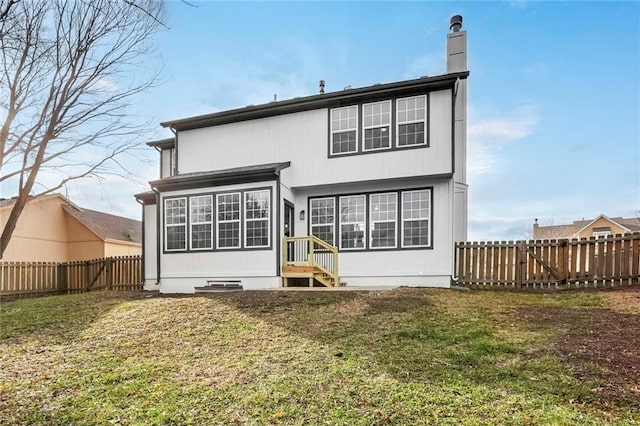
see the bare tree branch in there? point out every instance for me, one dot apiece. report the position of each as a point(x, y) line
point(70, 69)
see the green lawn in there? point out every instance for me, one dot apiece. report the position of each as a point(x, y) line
point(406, 356)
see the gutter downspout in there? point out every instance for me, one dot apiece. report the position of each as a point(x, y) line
point(157, 235)
point(143, 241)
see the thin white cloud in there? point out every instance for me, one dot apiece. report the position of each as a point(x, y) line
point(431, 64)
point(104, 84)
point(487, 137)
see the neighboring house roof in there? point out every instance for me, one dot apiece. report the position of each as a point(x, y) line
point(234, 175)
point(108, 226)
point(572, 230)
point(323, 100)
point(104, 225)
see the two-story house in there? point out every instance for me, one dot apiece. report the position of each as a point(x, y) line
point(377, 175)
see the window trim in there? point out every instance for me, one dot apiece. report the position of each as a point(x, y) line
point(429, 219)
point(365, 128)
point(332, 132)
point(192, 223)
point(239, 221)
point(367, 217)
point(183, 225)
point(246, 219)
point(393, 126)
point(340, 223)
point(333, 224)
point(425, 120)
point(372, 222)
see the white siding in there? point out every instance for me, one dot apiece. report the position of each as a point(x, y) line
point(182, 271)
point(149, 248)
point(165, 163)
point(460, 213)
point(302, 138)
point(413, 267)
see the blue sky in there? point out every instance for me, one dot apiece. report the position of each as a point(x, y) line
point(554, 91)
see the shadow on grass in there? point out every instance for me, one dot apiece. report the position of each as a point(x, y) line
point(58, 318)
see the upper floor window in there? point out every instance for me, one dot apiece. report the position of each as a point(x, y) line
point(412, 119)
point(175, 220)
point(344, 130)
point(376, 124)
point(201, 210)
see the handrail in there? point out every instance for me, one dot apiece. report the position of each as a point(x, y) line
point(310, 251)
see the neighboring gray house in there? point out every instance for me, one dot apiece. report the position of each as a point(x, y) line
point(378, 173)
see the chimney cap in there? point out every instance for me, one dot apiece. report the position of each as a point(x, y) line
point(455, 23)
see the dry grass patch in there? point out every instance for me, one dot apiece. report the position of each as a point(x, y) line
point(408, 356)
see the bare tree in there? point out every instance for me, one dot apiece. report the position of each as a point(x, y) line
point(69, 70)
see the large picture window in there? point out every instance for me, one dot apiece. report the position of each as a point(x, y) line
point(323, 218)
point(376, 124)
point(201, 211)
point(257, 218)
point(416, 213)
point(175, 222)
point(344, 130)
point(374, 221)
point(383, 210)
point(412, 119)
point(228, 212)
point(352, 221)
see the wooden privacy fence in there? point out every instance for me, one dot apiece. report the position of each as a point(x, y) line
point(550, 264)
point(20, 279)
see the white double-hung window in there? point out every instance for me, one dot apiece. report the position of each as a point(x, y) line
point(352, 221)
point(376, 125)
point(256, 216)
point(323, 218)
point(416, 214)
point(201, 223)
point(228, 224)
point(344, 130)
point(383, 224)
point(175, 224)
point(411, 121)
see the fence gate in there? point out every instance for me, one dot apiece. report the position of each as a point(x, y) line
point(550, 264)
point(543, 263)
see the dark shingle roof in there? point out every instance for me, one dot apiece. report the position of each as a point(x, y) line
point(107, 225)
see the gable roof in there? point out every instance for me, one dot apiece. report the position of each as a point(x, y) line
point(108, 226)
point(104, 225)
point(571, 230)
point(323, 100)
point(589, 223)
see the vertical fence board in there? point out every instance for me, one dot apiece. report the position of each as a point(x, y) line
point(550, 264)
point(23, 279)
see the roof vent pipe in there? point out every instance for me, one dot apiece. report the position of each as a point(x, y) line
point(455, 24)
point(321, 86)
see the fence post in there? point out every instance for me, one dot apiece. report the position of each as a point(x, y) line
point(520, 262)
point(109, 270)
point(87, 276)
point(62, 278)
